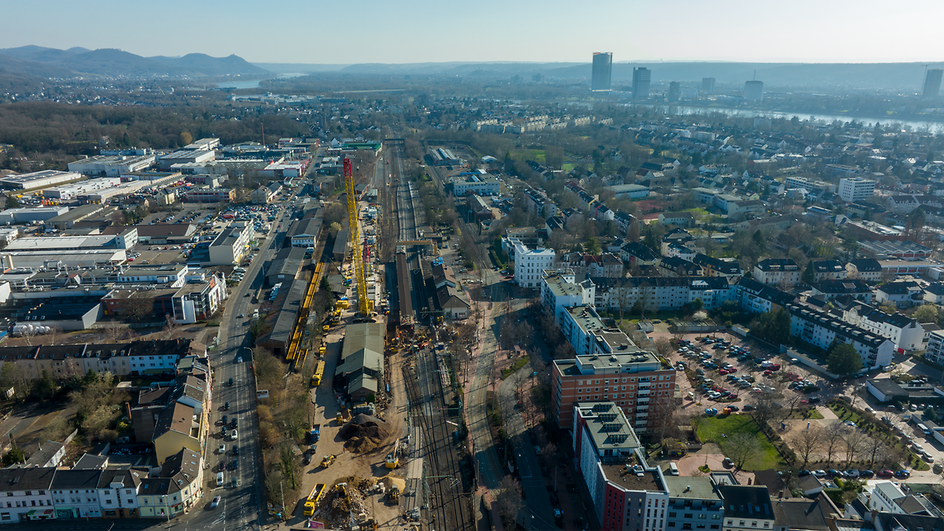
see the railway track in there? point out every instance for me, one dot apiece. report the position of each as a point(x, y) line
point(449, 505)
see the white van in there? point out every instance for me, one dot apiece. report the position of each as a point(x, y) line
point(673, 469)
point(219, 479)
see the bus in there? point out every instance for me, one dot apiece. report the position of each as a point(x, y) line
point(319, 372)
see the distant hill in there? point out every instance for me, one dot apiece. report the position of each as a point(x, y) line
point(212, 66)
point(20, 68)
point(51, 62)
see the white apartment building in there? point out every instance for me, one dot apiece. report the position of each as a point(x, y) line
point(118, 492)
point(661, 293)
point(27, 492)
point(531, 264)
point(475, 183)
point(232, 245)
point(777, 271)
point(856, 189)
point(75, 493)
point(935, 349)
point(906, 333)
point(559, 290)
point(821, 329)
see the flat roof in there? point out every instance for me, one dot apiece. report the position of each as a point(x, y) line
point(691, 487)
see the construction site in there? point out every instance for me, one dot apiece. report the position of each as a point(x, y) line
point(382, 447)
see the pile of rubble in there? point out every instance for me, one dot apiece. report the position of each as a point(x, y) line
point(364, 433)
point(345, 506)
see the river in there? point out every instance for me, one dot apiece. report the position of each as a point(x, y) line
point(930, 126)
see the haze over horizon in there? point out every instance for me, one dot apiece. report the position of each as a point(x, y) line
point(553, 31)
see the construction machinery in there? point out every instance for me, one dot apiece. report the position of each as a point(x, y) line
point(316, 493)
point(393, 458)
point(341, 489)
point(339, 419)
point(314, 434)
point(327, 460)
point(359, 272)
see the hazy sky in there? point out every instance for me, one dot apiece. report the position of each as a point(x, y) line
point(409, 31)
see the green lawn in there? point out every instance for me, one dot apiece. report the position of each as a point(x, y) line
point(712, 429)
point(519, 363)
point(568, 166)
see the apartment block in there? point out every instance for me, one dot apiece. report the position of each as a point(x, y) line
point(661, 293)
point(905, 332)
point(560, 290)
point(635, 381)
point(627, 494)
point(530, 264)
point(821, 329)
point(777, 272)
point(855, 188)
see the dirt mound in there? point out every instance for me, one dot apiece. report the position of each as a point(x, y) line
point(364, 433)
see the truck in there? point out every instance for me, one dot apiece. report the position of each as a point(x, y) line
point(393, 458)
point(316, 493)
point(255, 315)
point(314, 434)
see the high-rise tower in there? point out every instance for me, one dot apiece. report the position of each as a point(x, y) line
point(641, 78)
point(602, 71)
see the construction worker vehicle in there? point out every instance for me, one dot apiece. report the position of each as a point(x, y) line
point(327, 460)
point(316, 493)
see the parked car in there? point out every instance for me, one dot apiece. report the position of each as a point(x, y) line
point(902, 474)
point(885, 473)
point(866, 474)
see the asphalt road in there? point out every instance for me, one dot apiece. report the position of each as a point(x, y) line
point(243, 506)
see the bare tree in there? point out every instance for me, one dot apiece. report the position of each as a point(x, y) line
point(510, 501)
point(664, 346)
point(874, 447)
point(740, 447)
point(854, 441)
point(172, 328)
point(807, 442)
point(832, 439)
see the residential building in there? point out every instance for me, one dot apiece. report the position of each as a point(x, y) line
point(176, 489)
point(676, 266)
point(137, 358)
point(674, 250)
point(677, 236)
point(583, 265)
point(867, 269)
point(695, 502)
point(75, 494)
point(118, 492)
point(754, 90)
point(905, 332)
point(718, 267)
point(755, 297)
point(746, 508)
point(641, 79)
point(531, 264)
point(902, 294)
point(853, 189)
point(626, 494)
point(28, 494)
point(911, 268)
point(602, 71)
point(660, 294)
point(179, 426)
point(935, 348)
point(777, 272)
point(639, 254)
point(675, 92)
point(560, 290)
point(197, 301)
point(821, 329)
point(828, 270)
point(635, 381)
point(475, 183)
point(852, 287)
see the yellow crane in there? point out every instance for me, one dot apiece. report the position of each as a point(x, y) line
point(359, 274)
